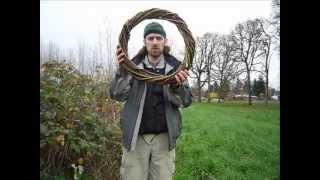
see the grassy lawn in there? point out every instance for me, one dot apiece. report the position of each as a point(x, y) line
point(229, 141)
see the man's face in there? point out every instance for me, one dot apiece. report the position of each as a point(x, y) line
point(155, 44)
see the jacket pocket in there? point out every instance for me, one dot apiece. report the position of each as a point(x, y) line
point(173, 98)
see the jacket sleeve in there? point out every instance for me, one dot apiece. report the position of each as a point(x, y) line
point(180, 95)
point(120, 85)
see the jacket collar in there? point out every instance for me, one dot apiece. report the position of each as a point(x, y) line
point(160, 65)
point(168, 66)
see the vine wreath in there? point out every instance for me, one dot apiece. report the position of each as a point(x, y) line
point(142, 74)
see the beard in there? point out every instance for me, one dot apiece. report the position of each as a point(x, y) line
point(155, 52)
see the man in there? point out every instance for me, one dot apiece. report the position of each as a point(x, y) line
point(150, 120)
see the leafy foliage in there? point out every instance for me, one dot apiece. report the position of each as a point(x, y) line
point(79, 124)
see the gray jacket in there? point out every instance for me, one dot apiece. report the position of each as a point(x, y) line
point(125, 88)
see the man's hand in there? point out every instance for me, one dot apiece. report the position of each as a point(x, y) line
point(120, 55)
point(181, 76)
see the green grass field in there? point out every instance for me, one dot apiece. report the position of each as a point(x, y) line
point(229, 141)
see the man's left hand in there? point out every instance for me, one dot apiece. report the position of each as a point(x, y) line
point(181, 76)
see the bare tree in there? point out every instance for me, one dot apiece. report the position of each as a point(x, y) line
point(81, 56)
point(266, 41)
point(42, 52)
point(247, 37)
point(50, 51)
point(92, 61)
point(225, 67)
point(87, 58)
point(238, 86)
point(199, 65)
point(53, 51)
point(70, 56)
point(110, 48)
point(210, 57)
point(106, 52)
point(275, 24)
point(276, 19)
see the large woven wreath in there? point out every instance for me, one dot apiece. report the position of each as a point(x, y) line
point(142, 74)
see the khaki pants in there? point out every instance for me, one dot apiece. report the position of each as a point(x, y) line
point(151, 159)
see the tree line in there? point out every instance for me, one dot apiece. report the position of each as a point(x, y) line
point(224, 58)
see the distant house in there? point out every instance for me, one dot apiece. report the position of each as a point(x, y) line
point(243, 97)
point(276, 97)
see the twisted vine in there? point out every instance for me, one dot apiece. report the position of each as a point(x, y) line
point(145, 75)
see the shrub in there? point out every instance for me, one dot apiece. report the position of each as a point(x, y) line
point(74, 128)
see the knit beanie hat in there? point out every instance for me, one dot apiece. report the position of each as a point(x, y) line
point(154, 27)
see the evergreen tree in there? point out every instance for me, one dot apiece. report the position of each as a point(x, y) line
point(254, 88)
point(273, 90)
point(259, 86)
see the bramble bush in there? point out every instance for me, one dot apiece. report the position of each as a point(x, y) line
point(79, 124)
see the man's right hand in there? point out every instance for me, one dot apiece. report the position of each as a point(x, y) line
point(120, 55)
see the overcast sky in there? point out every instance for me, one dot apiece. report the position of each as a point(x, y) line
point(69, 22)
